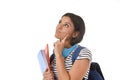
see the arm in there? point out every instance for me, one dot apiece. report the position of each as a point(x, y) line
point(77, 71)
point(48, 75)
point(62, 72)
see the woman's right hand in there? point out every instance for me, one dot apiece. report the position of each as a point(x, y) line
point(48, 75)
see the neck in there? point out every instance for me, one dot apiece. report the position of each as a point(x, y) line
point(67, 44)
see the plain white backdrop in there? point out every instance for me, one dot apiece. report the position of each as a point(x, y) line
point(26, 26)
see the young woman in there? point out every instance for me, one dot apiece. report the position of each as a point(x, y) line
point(69, 32)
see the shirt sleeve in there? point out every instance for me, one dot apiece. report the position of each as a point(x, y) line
point(85, 53)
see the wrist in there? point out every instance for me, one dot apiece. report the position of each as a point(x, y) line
point(59, 55)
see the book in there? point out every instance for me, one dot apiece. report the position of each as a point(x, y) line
point(42, 61)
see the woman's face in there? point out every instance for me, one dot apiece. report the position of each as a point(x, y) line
point(65, 27)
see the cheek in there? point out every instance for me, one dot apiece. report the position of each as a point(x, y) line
point(69, 32)
point(61, 33)
point(58, 34)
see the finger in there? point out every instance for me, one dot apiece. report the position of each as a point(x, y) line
point(64, 39)
point(66, 35)
point(48, 69)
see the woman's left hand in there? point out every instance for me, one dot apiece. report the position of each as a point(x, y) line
point(48, 75)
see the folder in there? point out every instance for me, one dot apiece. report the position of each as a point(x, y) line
point(42, 61)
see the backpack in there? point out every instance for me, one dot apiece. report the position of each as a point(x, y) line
point(95, 72)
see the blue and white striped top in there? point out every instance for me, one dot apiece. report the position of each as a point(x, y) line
point(84, 53)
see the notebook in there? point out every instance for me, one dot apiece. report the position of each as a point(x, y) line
point(42, 61)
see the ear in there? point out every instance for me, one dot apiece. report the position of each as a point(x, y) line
point(75, 34)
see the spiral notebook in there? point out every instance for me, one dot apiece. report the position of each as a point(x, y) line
point(42, 61)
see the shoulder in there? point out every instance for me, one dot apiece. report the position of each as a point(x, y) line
point(85, 53)
point(85, 50)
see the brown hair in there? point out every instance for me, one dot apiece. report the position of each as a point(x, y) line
point(79, 26)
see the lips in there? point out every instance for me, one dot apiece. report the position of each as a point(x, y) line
point(58, 34)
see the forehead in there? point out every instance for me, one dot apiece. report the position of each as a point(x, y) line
point(66, 19)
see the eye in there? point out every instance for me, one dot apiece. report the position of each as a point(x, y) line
point(66, 25)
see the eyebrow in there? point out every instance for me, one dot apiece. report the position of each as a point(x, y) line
point(65, 22)
point(68, 23)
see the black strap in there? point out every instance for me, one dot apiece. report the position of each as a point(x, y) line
point(52, 57)
point(75, 54)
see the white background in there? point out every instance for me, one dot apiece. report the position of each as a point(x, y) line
point(26, 26)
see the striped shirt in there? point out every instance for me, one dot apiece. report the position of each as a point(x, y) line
point(84, 53)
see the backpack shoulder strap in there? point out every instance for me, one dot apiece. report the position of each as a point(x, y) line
point(52, 57)
point(74, 56)
point(76, 53)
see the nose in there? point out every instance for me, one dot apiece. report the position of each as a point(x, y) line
point(59, 26)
